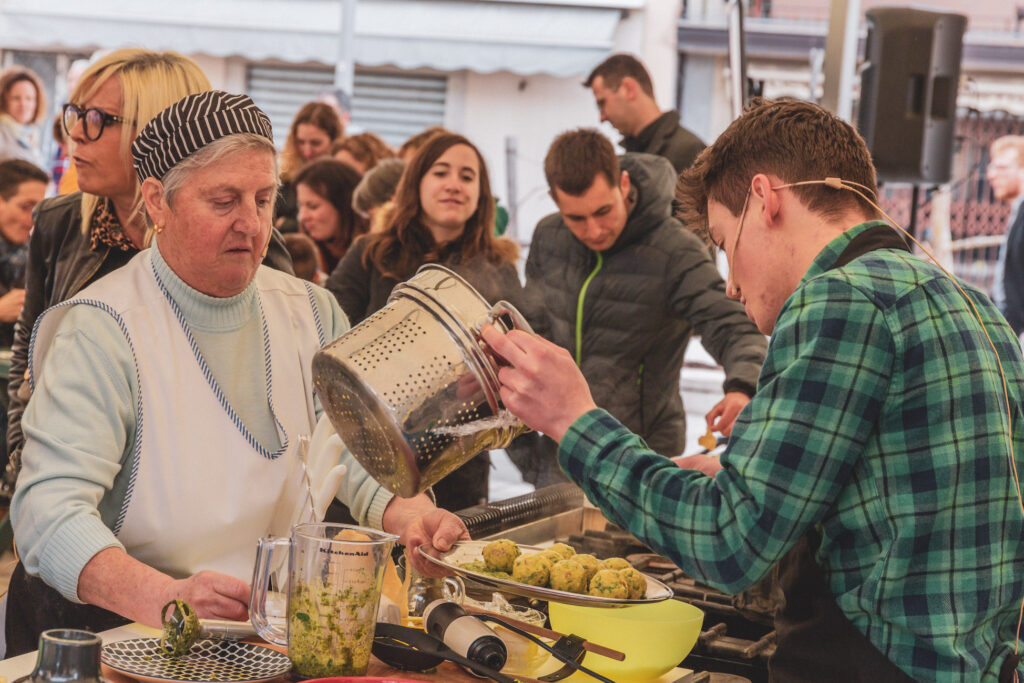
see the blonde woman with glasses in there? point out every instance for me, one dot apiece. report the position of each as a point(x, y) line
point(80, 237)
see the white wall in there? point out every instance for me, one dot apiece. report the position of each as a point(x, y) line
point(224, 73)
point(658, 49)
point(534, 109)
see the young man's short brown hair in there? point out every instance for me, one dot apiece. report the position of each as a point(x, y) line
point(14, 172)
point(617, 67)
point(792, 139)
point(575, 159)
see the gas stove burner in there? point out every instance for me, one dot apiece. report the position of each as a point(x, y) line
point(609, 542)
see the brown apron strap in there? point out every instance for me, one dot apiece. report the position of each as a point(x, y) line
point(34, 607)
point(815, 640)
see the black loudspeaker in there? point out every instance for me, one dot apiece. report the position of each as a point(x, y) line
point(908, 88)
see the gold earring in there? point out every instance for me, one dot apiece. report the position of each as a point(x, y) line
point(157, 229)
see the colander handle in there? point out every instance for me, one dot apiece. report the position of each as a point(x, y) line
point(505, 308)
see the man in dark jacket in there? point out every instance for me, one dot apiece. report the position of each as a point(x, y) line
point(22, 186)
point(1005, 174)
point(617, 281)
point(625, 97)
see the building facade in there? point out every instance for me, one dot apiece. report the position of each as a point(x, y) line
point(505, 73)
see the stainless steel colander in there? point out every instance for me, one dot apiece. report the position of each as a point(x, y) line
point(413, 389)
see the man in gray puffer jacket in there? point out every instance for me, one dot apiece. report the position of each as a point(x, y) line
point(622, 285)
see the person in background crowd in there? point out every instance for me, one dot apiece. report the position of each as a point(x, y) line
point(61, 159)
point(116, 515)
point(876, 465)
point(340, 101)
point(63, 173)
point(374, 195)
point(22, 186)
point(305, 257)
point(80, 237)
point(324, 189)
point(625, 98)
point(413, 144)
point(362, 151)
point(1005, 173)
point(409, 148)
point(628, 326)
point(444, 213)
point(22, 110)
point(314, 129)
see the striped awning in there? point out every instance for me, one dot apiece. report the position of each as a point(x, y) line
point(558, 37)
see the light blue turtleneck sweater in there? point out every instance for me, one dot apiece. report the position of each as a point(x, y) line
point(80, 424)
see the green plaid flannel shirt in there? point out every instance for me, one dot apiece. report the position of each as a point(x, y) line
point(880, 419)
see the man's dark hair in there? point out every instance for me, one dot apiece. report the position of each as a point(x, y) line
point(617, 67)
point(792, 139)
point(575, 159)
point(14, 172)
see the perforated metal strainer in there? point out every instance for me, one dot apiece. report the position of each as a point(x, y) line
point(413, 390)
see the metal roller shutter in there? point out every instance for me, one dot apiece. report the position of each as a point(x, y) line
point(392, 105)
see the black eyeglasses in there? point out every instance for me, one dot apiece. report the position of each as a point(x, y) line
point(93, 120)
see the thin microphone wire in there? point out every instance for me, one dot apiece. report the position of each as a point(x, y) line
point(840, 184)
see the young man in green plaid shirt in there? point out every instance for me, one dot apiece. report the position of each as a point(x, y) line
point(874, 463)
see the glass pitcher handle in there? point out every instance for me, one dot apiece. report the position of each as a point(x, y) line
point(453, 589)
point(267, 551)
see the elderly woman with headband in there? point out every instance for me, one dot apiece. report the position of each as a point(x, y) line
point(80, 237)
point(114, 514)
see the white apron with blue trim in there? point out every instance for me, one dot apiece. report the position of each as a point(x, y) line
point(201, 489)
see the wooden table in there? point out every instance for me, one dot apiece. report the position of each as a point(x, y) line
point(447, 672)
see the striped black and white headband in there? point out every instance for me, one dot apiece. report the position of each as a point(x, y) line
point(190, 124)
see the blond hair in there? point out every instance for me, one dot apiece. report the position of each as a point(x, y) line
point(150, 82)
point(1007, 142)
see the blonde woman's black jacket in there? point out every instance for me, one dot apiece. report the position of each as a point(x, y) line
point(627, 314)
point(60, 264)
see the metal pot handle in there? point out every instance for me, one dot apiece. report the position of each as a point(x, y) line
point(505, 308)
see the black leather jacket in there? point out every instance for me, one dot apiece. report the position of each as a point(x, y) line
point(61, 264)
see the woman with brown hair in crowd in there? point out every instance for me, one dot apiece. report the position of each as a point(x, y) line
point(314, 129)
point(22, 109)
point(362, 151)
point(444, 213)
point(324, 189)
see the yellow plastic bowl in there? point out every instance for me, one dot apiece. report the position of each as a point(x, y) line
point(654, 637)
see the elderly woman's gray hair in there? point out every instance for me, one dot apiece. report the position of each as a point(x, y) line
point(178, 175)
point(195, 131)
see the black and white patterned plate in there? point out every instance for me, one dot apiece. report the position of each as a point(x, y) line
point(209, 661)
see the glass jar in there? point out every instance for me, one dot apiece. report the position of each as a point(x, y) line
point(423, 590)
point(67, 655)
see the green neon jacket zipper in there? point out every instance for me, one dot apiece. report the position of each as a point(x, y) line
point(579, 308)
